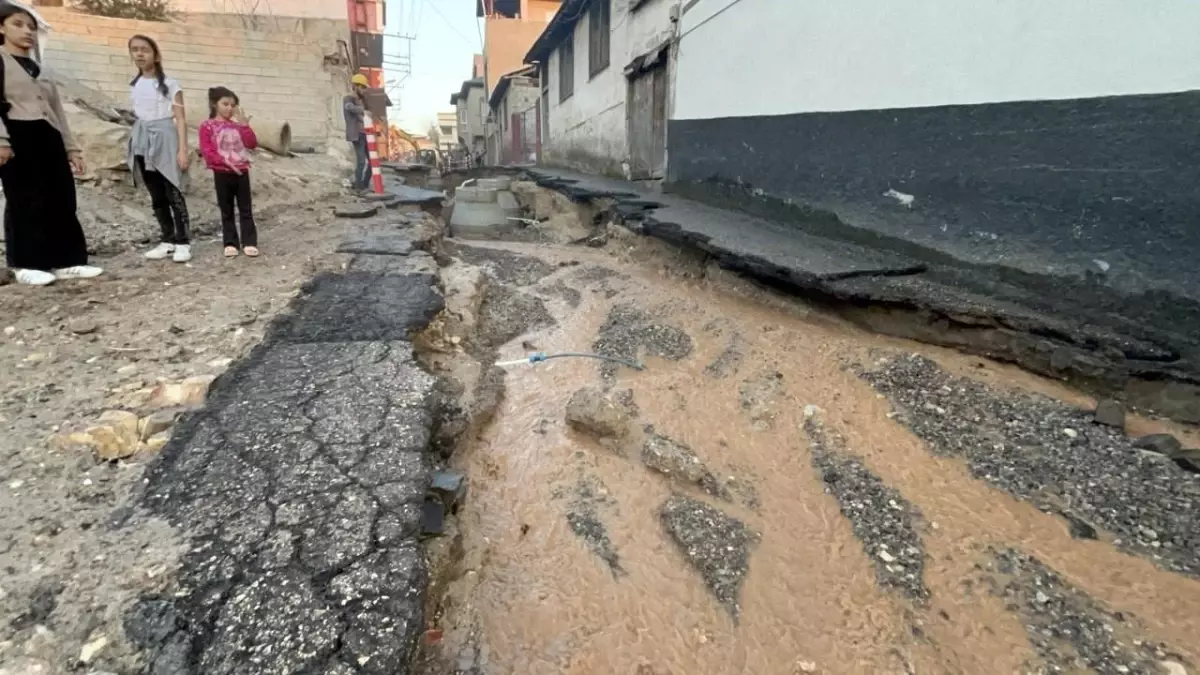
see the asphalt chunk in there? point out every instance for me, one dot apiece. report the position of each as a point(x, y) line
point(587, 498)
point(1052, 455)
point(507, 267)
point(882, 519)
point(717, 545)
point(629, 332)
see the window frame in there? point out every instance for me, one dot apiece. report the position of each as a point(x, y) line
point(566, 68)
point(599, 37)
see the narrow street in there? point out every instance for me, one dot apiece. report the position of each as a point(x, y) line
point(780, 492)
point(777, 491)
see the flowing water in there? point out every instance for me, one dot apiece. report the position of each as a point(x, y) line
point(535, 598)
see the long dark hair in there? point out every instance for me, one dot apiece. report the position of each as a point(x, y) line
point(8, 9)
point(158, 69)
point(215, 94)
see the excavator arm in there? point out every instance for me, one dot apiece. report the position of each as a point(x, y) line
point(399, 136)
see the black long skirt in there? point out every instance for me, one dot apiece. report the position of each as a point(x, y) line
point(41, 230)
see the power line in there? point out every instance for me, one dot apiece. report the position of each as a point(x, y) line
point(457, 32)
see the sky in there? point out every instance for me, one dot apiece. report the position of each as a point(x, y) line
point(447, 36)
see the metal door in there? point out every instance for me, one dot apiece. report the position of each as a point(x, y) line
point(647, 119)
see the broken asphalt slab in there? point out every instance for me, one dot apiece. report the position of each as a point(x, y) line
point(717, 545)
point(299, 489)
point(1144, 347)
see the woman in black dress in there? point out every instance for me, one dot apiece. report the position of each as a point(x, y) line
point(43, 238)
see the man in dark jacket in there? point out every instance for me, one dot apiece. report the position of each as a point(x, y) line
point(354, 109)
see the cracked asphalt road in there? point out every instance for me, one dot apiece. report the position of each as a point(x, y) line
point(299, 490)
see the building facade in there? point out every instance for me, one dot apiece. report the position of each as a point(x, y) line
point(447, 130)
point(514, 129)
point(1042, 136)
point(470, 105)
point(604, 68)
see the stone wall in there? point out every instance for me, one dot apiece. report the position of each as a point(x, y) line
point(279, 71)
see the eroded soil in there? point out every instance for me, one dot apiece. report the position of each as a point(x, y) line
point(785, 493)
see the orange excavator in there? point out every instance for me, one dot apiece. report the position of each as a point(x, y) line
point(405, 147)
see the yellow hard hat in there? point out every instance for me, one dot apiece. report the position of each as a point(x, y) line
point(360, 80)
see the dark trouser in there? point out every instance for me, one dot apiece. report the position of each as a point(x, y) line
point(233, 187)
point(170, 209)
point(41, 230)
point(362, 164)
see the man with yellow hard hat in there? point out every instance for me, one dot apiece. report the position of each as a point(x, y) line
point(354, 107)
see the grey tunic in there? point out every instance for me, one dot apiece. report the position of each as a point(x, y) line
point(157, 142)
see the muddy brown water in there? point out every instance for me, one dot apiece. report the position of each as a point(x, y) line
point(545, 604)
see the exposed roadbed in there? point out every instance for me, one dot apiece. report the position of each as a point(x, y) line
point(1145, 348)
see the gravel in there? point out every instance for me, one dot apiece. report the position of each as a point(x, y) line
point(1069, 630)
point(1053, 456)
point(628, 332)
point(717, 546)
point(885, 522)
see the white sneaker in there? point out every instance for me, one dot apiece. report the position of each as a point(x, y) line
point(79, 272)
point(183, 253)
point(160, 252)
point(34, 277)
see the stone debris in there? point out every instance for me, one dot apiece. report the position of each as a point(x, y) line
point(92, 649)
point(189, 393)
point(433, 517)
point(82, 326)
point(678, 461)
point(1069, 630)
point(356, 211)
point(120, 434)
point(1014, 441)
point(882, 519)
point(1111, 413)
point(450, 487)
point(1163, 444)
point(600, 414)
point(717, 545)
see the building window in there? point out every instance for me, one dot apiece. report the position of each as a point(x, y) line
point(598, 36)
point(566, 68)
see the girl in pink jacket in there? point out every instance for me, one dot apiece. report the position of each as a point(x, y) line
point(226, 140)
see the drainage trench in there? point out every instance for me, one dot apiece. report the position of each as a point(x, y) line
point(778, 491)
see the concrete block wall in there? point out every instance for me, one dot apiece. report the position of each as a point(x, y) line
point(278, 75)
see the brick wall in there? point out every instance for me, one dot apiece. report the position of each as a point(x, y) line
point(277, 74)
point(320, 9)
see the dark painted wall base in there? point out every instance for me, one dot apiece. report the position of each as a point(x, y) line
point(1047, 187)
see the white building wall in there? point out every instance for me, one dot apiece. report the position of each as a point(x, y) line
point(588, 130)
point(769, 57)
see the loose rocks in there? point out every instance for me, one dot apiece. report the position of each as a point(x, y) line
point(604, 415)
point(355, 210)
point(1164, 444)
point(717, 545)
point(1111, 413)
point(678, 461)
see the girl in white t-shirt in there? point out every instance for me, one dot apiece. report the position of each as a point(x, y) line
point(158, 151)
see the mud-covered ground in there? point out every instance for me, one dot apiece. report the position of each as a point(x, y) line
point(70, 352)
point(1020, 437)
